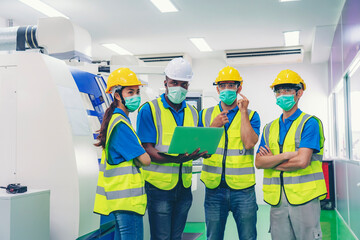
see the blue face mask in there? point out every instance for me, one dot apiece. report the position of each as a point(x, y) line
point(286, 102)
point(176, 94)
point(132, 103)
point(228, 96)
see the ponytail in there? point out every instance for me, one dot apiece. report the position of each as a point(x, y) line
point(104, 125)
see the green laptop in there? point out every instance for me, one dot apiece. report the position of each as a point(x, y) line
point(188, 139)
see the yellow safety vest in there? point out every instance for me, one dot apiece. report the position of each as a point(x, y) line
point(121, 186)
point(300, 186)
point(165, 176)
point(238, 161)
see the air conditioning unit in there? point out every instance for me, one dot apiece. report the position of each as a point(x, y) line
point(162, 59)
point(262, 56)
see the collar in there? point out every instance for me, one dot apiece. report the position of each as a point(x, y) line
point(294, 116)
point(120, 111)
point(235, 109)
point(166, 105)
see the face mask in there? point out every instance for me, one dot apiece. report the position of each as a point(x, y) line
point(176, 94)
point(228, 96)
point(132, 103)
point(286, 102)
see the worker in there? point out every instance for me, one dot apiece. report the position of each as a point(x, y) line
point(229, 174)
point(121, 189)
point(168, 178)
point(290, 151)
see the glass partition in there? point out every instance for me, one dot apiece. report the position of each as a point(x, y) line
point(340, 127)
point(355, 114)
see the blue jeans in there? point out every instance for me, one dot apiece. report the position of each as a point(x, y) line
point(242, 203)
point(168, 211)
point(128, 226)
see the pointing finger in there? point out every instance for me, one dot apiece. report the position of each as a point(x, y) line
point(243, 96)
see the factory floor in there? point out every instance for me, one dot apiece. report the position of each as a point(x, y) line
point(333, 228)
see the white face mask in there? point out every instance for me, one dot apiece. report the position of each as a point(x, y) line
point(176, 94)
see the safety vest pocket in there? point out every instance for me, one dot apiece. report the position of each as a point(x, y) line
point(305, 183)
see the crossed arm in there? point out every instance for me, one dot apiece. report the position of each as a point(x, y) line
point(287, 161)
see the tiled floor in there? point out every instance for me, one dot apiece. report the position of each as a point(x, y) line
point(332, 226)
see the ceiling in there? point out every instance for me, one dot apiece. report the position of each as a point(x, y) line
point(140, 28)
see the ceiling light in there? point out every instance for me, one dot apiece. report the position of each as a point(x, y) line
point(116, 48)
point(43, 8)
point(292, 38)
point(201, 44)
point(164, 6)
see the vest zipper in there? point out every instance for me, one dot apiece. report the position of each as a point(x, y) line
point(225, 153)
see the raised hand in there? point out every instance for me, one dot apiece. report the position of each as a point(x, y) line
point(220, 120)
point(243, 103)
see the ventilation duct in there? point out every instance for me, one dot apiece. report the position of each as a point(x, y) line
point(162, 59)
point(18, 38)
point(262, 56)
point(57, 37)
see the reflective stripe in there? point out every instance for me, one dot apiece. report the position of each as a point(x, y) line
point(228, 171)
point(299, 130)
point(102, 167)
point(269, 181)
point(295, 180)
point(127, 193)
point(304, 178)
point(194, 114)
point(249, 112)
point(208, 116)
point(235, 152)
point(114, 122)
point(186, 169)
point(158, 121)
point(162, 168)
point(316, 157)
point(211, 169)
point(162, 148)
point(267, 133)
point(239, 171)
point(121, 171)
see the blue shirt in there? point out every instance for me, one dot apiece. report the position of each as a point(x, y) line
point(123, 145)
point(310, 136)
point(145, 124)
point(255, 120)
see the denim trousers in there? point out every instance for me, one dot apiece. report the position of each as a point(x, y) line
point(168, 210)
point(242, 204)
point(128, 226)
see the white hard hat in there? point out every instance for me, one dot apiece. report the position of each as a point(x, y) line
point(179, 69)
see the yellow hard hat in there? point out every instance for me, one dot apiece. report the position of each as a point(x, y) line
point(228, 74)
point(288, 77)
point(122, 77)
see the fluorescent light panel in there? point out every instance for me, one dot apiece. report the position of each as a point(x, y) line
point(289, 0)
point(292, 38)
point(164, 6)
point(201, 44)
point(43, 8)
point(116, 48)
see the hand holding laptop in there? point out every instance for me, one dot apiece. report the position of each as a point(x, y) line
point(187, 157)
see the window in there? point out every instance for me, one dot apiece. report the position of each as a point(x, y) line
point(340, 127)
point(355, 114)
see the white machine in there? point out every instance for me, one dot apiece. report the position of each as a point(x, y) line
point(47, 141)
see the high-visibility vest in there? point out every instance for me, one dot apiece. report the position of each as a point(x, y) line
point(165, 176)
point(231, 153)
point(300, 186)
point(120, 186)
